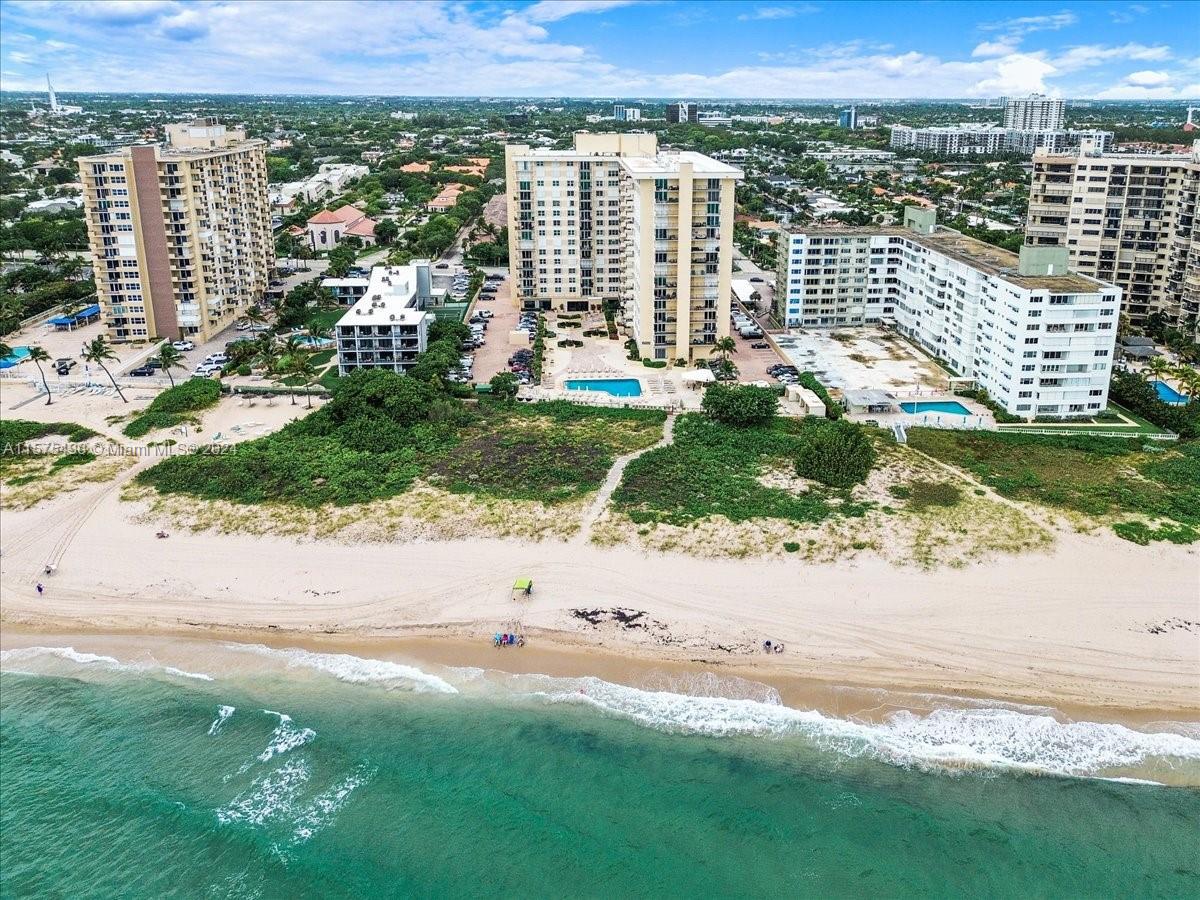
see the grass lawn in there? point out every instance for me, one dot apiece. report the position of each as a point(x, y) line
point(1140, 426)
point(322, 358)
point(327, 318)
point(1096, 476)
point(713, 469)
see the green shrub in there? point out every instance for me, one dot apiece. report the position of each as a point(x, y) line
point(833, 410)
point(837, 454)
point(999, 413)
point(243, 370)
point(791, 546)
point(175, 405)
point(73, 459)
point(740, 405)
point(654, 363)
point(14, 432)
point(925, 494)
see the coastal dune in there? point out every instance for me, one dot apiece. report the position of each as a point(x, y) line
point(1096, 623)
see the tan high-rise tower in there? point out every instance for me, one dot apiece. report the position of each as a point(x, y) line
point(180, 233)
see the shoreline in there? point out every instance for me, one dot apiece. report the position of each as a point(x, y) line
point(546, 655)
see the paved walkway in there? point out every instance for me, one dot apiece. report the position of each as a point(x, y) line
point(614, 478)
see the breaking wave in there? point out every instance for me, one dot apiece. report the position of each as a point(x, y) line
point(71, 655)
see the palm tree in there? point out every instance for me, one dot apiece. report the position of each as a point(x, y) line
point(97, 351)
point(170, 359)
point(5, 350)
point(255, 315)
point(724, 346)
point(39, 356)
point(301, 366)
point(267, 353)
point(1189, 380)
point(1158, 367)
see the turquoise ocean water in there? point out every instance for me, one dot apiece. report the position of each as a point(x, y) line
point(303, 774)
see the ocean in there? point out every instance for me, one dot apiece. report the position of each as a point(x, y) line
point(289, 773)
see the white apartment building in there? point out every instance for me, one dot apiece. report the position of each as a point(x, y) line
point(1036, 112)
point(950, 140)
point(617, 219)
point(387, 327)
point(1129, 218)
point(967, 139)
point(1036, 336)
point(622, 113)
point(329, 179)
point(180, 233)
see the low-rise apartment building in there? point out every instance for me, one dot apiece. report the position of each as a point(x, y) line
point(1129, 218)
point(1036, 336)
point(180, 232)
point(387, 327)
point(971, 139)
point(616, 219)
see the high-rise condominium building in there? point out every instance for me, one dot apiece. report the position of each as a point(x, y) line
point(1128, 218)
point(617, 219)
point(682, 112)
point(1033, 113)
point(1037, 337)
point(181, 233)
point(622, 113)
point(848, 118)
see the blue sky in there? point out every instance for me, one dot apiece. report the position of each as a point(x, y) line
point(608, 48)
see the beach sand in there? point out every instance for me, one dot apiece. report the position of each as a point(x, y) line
point(1097, 622)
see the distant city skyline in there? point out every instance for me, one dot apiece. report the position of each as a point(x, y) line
point(608, 48)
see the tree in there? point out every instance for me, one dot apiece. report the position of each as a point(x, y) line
point(504, 385)
point(386, 231)
point(838, 454)
point(170, 358)
point(1189, 380)
point(97, 351)
point(39, 356)
point(340, 261)
point(267, 353)
point(740, 405)
point(255, 315)
point(301, 366)
point(1158, 367)
point(724, 346)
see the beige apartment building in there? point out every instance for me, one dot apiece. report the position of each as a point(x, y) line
point(180, 232)
point(617, 219)
point(1126, 218)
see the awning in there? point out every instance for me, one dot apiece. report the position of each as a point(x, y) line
point(522, 584)
point(698, 376)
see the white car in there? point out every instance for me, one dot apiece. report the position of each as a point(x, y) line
point(183, 345)
point(205, 369)
point(216, 359)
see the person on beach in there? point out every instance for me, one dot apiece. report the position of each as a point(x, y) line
point(39, 587)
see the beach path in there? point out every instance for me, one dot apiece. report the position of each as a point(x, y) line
point(614, 478)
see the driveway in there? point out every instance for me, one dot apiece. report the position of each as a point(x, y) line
point(493, 356)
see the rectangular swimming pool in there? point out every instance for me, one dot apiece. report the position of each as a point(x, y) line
point(1168, 394)
point(936, 406)
point(617, 387)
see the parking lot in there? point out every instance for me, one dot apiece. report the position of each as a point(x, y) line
point(493, 356)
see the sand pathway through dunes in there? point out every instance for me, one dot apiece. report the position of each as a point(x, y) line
point(614, 478)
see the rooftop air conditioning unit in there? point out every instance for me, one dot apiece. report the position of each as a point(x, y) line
point(358, 312)
point(392, 317)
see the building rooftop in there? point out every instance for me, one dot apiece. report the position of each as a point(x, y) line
point(668, 162)
point(983, 256)
point(391, 299)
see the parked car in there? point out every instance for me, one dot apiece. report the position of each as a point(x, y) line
point(494, 276)
point(485, 314)
point(216, 359)
point(142, 370)
point(183, 345)
point(755, 278)
point(760, 345)
point(442, 266)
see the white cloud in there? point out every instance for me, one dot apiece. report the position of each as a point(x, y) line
point(1001, 47)
point(780, 12)
point(1029, 24)
point(553, 10)
point(1147, 78)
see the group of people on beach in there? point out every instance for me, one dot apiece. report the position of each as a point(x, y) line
point(772, 647)
point(508, 640)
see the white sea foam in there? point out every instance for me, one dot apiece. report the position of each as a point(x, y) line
point(285, 737)
point(355, 669)
point(71, 655)
point(270, 796)
point(945, 739)
point(321, 810)
point(223, 713)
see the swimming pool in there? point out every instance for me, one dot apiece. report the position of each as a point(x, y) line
point(1168, 394)
point(936, 406)
point(309, 341)
point(18, 354)
point(618, 387)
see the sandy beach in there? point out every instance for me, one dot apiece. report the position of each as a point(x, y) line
point(1096, 623)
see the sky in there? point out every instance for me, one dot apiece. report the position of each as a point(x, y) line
point(810, 49)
